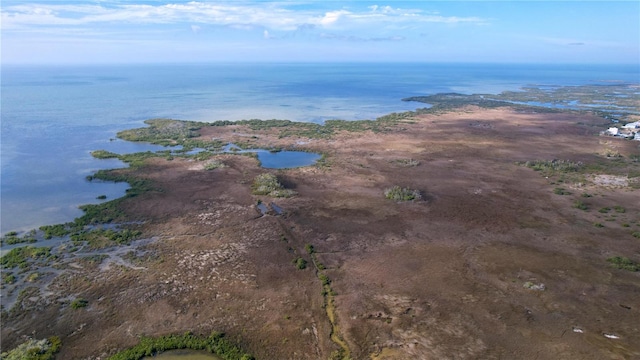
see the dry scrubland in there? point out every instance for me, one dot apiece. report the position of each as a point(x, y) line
point(492, 260)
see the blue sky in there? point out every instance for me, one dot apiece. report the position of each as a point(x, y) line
point(152, 31)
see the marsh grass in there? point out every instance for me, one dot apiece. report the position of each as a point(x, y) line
point(624, 263)
point(33, 349)
point(268, 184)
point(397, 193)
point(12, 238)
point(23, 256)
point(215, 343)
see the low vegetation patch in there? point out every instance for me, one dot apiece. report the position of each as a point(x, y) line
point(561, 191)
point(8, 278)
point(163, 131)
point(102, 238)
point(301, 263)
point(407, 162)
point(79, 303)
point(397, 193)
point(33, 349)
point(214, 343)
point(580, 205)
point(550, 167)
point(21, 256)
point(268, 184)
point(214, 164)
point(12, 238)
point(310, 249)
point(624, 263)
point(104, 154)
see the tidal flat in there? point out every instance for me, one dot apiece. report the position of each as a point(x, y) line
point(490, 260)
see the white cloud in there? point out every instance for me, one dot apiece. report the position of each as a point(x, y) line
point(273, 16)
point(195, 29)
point(332, 17)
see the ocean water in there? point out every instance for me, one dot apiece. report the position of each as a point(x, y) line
point(53, 117)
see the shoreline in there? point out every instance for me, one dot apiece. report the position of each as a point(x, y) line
point(481, 209)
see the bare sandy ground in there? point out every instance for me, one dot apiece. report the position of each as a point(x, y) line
point(490, 264)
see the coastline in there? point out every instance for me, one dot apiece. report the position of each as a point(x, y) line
point(480, 210)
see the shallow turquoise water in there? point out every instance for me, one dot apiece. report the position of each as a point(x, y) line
point(53, 117)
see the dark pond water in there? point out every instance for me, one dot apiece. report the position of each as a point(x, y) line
point(286, 159)
point(272, 159)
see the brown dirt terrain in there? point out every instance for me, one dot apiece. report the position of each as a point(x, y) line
point(447, 277)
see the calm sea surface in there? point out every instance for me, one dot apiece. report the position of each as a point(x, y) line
point(52, 117)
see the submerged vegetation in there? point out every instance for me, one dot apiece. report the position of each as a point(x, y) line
point(12, 238)
point(214, 343)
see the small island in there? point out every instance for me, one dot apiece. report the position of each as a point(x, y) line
point(481, 226)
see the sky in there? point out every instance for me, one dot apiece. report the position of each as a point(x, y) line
point(178, 31)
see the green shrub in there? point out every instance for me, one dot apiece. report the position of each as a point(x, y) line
point(8, 278)
point(79, 303)
point(213, 164)
point(396, 193)
point(561, 191)
point(12, 238)
point(104, 154)
point(102, 238)
point(34, 349)
point(580, 205)
point(619, 209)
point(268, 184)
point(624, 263)
point(310, 249)
point(19, 256)
point(554, 166)
point(301, 263)
point(215, 344)
point(57, 230)
point(604, 210)
point(324, 279)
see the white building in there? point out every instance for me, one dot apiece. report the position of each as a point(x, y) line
point(633, 125)
point(612, 131)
